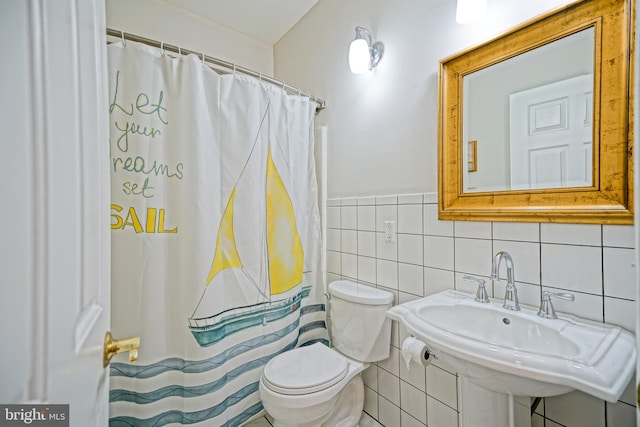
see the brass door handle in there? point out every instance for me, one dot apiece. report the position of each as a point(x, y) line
point(112, 347)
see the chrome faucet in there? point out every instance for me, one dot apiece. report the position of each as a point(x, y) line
point(481, 294)
point(511, 293)
point(546, 306)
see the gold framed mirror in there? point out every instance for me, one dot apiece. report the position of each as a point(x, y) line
point(536, 124)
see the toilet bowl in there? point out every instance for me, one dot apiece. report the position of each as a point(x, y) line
point(318, 386)
point(313, 386)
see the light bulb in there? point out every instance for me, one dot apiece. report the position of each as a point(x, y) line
point(469, 11)
point(359, 56)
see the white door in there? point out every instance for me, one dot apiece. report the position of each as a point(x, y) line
point(54, 209)
point(550, 133)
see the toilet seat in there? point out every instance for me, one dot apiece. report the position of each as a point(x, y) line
point(305, 370)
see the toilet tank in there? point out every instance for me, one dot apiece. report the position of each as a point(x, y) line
point(359, 327)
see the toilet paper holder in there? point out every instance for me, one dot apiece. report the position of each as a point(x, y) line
point(415, 350)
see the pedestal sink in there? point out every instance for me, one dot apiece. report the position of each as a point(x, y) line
point(517, 353)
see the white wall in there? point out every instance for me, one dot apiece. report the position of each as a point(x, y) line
point(383, 125)
point(162, 21)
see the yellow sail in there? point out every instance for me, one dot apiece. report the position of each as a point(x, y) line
point(286, 259)
point(226, 255)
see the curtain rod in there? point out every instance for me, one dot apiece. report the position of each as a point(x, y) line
point(215, 63)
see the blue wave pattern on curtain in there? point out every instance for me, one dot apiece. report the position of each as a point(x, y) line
point(215, 237)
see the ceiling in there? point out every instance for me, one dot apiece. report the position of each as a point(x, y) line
point(263, 20)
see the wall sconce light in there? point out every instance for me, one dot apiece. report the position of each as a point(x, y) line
point(363, 54)
point(469, 11)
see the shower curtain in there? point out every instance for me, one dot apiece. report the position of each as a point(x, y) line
point(215, 236)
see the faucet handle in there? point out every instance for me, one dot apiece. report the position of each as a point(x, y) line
point(546, 306)
point(560, 295)
point(481, 293)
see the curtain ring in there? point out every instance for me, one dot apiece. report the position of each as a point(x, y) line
point(124, 42)
point(299, 91)
point(203, 61)
point(162, 48)
point(234, 69)
point(283, 85)
point(180, 51)
point(260, 77)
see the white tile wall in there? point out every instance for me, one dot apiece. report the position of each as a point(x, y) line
point(520, 231)
point(436, 280)
point(387, 272)
point(333, 217)
point(620, 312)
point(413, 402)
point(562, 409)
point(438, 252)
point(348, 218)
point(433, 227)
point(576, 268)
point(472, 229)
point(573, 234)
point(392, 363)
point(410, 219)
point(389, 414)
point(367, 269)
point(629, 395)
point(441, 385)
point(389, 387)
point(370, 377)
point(333, 239)
point(371, 402)
point(367, 218)
point(594, 262)
point(410, 279)
point(407, 420)
point(619, 272)
point(410, 248)
point(439, 414)
point(621, 414)
point(349, 241)
point(473, 256)
point(349, 265)
point(366, 243)
point(414, 376)
point(620, 236)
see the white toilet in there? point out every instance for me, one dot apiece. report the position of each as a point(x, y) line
point(316, 385)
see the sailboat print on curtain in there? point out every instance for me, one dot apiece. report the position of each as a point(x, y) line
point(279, 282)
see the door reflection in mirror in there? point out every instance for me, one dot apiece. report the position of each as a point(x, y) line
point(531, 116)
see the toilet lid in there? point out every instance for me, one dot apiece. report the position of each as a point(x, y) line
point(305, 370)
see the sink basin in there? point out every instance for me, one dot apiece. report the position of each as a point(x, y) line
point(517, 352)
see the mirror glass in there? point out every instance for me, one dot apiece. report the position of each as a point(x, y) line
point(535, 124)
point(528, 120)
